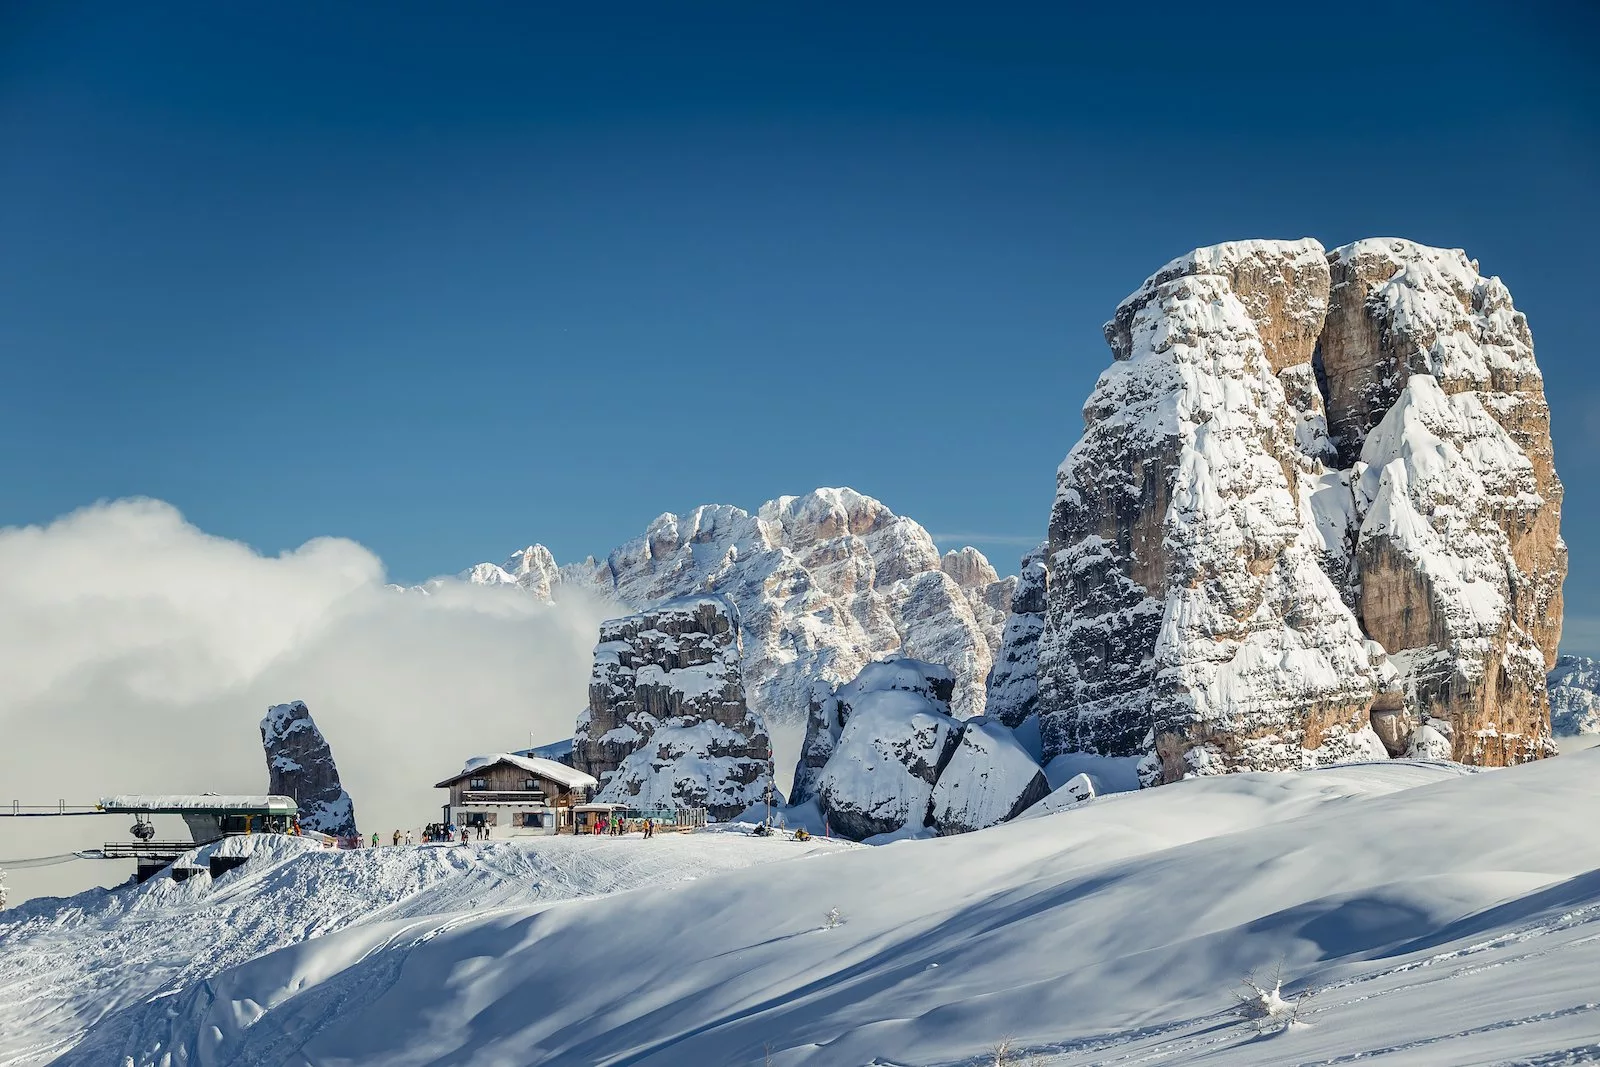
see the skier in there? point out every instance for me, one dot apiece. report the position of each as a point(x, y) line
point(408, 837)
point(374, 839)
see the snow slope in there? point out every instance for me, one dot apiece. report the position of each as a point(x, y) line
point(91, 960)
point(1436, 919)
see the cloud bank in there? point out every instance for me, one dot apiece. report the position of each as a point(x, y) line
point(138, 654)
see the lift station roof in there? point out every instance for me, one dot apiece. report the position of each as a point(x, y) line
point(200, 804)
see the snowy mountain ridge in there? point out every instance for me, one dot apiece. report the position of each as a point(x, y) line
point(1575, 696)
point(824, 582)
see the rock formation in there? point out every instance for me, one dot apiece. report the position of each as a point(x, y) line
point(1313, 517)
point(1013, 689)
point(1575, 696)
point(300, 765)
point(824, 583)
point(667, 723)
point(883, 754)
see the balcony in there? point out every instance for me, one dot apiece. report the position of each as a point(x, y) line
point(503, 796)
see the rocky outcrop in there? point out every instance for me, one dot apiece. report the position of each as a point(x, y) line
point(1013, 689)
point(883, 754)
point(1575, 696)
point(667, 724)
point(824, 583)
point(300, 765)
point(1222, 595)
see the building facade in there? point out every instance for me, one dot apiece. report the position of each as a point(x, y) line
point(516, 796)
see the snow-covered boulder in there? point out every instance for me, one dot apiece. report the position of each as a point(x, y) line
point(300, 765)
point(1575, 696)
point(829, 710)
point(895, 737)
point(824, 583)
point(667, 723)
point(883, 754)
point(988, 779)
point(1223, 595)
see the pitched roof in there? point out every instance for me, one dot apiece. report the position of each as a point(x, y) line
point(542, 768)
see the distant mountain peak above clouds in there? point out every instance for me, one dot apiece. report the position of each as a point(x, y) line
point(825, 582)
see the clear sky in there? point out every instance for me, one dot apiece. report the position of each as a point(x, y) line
point(449, 279)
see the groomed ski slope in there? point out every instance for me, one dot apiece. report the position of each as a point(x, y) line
point(1440, 918)
point(67, 964)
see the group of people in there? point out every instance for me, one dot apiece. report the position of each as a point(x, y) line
point(617, 825)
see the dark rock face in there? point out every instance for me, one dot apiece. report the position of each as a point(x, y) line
point(667, 723)
point(1013, 689)
point(300, 765)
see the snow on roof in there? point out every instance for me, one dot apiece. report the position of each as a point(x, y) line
point(543, 768)
point(554, 750)
point(181, 802)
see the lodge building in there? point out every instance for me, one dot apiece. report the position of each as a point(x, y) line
point(516, 796)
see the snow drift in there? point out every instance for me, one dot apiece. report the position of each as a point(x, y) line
point(1434, 920)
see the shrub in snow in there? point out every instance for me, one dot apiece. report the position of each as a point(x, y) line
point(1266, 1005)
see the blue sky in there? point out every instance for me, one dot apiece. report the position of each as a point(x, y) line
point(451, 283)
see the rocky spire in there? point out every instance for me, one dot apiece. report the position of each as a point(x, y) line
point(300, 765)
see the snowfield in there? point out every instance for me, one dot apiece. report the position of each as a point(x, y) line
point(1419, 915)
point(69, 964)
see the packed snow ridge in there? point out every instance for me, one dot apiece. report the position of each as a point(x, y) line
point(667, 725)
point(824, 583)
point(1313, 518)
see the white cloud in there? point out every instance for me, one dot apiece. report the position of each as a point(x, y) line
point(138, 653)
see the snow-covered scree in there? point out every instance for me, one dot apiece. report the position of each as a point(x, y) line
point(300, 765)
point(1575, 696)
point(1433, 920)
point(824, 583)
point(883, 755)
point(667, 725)
point(94, 960)
point(1313, 518)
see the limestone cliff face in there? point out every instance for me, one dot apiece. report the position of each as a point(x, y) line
point(1313, 517)
point(667, 724)
point(300, 765)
